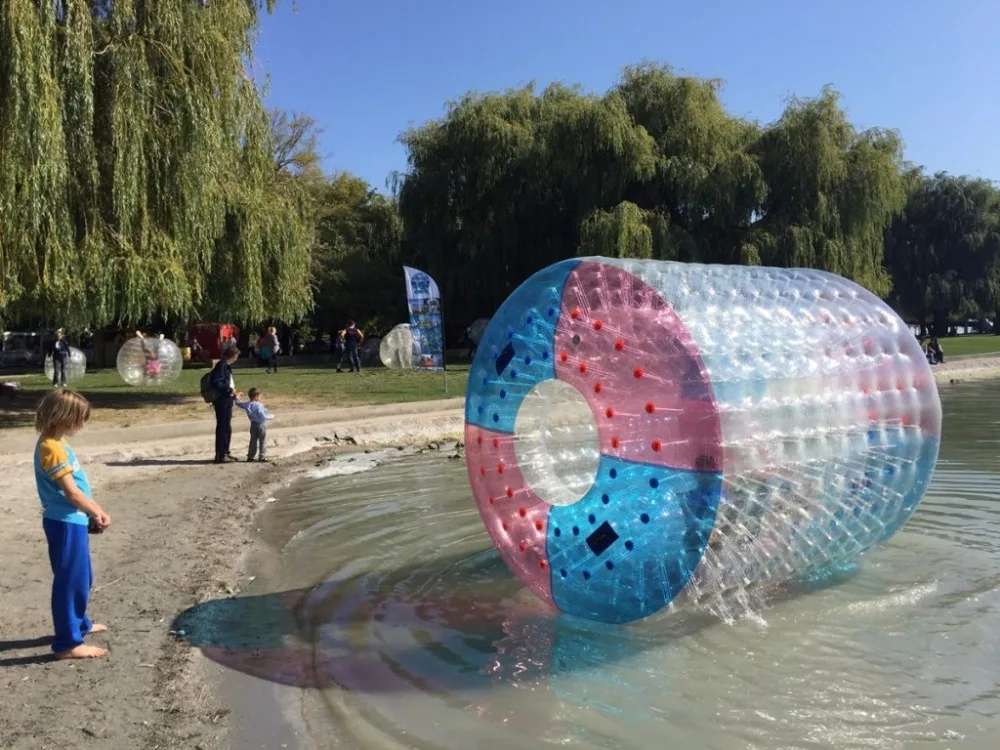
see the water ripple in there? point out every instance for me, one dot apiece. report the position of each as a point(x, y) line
point(417, 636)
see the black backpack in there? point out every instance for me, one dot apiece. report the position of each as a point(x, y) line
point(207, 391)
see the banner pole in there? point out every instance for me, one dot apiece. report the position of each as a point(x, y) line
point(444, 346)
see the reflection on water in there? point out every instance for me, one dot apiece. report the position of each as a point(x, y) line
point(390, 604)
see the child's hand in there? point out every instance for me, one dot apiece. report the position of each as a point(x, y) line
point(103, 520)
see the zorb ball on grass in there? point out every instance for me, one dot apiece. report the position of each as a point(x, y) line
point(641, 430)
point(76, 366)
point(149, 361)
point(398, 350)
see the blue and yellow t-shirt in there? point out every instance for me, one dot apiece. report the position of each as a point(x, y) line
point(55, 459)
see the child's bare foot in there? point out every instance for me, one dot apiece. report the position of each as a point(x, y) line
point(97, 628)
point(82, 652)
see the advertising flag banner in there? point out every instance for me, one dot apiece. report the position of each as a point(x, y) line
point(424, 300)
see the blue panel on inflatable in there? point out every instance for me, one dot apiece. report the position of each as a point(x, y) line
point(516, 353)
point(630, 545)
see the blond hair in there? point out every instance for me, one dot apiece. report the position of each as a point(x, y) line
point(61, 411)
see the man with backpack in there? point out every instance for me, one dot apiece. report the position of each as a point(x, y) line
point(218, 388)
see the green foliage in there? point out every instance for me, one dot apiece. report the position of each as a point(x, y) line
point(507, 183)
point(832, 192)
point(944, 251)
point(357, 267)
point(138, 176)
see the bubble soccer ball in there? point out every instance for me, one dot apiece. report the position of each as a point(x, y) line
point(76, 367)
point(398, 350)
point(149, 361)
point(640, 432)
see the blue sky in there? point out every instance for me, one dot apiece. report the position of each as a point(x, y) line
point(366, 71)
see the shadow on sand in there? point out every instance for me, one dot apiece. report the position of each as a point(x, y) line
point(388, 639)
point(162, 462)
point(25, 643)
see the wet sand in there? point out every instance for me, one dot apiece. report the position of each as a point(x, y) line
point(182, 530)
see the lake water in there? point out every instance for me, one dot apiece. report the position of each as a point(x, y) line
point(389, 609)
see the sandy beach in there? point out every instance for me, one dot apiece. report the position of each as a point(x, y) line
point(181, 531)
point(180, 528)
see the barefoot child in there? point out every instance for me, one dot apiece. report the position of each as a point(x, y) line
point(259, 416)
point(68, 513)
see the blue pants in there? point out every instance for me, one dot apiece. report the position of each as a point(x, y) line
point(72, 577)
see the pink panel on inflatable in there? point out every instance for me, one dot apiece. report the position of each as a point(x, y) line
point(621, 345)
point(515, 517)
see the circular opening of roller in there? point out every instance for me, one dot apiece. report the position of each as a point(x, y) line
point(556, 442)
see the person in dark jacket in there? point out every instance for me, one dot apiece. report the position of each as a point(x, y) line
point(222, 382)
point(60, 360)
point(353, 338)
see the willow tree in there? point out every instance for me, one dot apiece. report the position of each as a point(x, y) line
point(707, 183)
point(500, 186)
point(944, 251)
point(137, 175)
point(832, 192)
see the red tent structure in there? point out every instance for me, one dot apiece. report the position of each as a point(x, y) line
point(210, 337)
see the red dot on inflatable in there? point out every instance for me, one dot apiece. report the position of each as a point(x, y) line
point(482, 471)
point(872, 416)
point(510, 492)
point(619, 345)
point(900, 386)
point(610, 412)
point(522, 548)
point(906, 419)
point(496, 442)
point(597, 388)
point(503, 525)
point(492, 501)
point(564, 356)
point(538, 525)
point(499, 468)
point(479, 440)
point(598, 325)
point(649, 407)
point(614, 442)
point(656, 445)
point(522, 512)
point(637, 372)
point(575, 313)
point(583, 367)
point(541, 564)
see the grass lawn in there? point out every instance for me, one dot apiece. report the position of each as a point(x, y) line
point(116, 403)
point(973, 344)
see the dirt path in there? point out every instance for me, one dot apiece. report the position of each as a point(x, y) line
point(179, 527)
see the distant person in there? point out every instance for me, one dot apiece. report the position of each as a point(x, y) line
point(338, 349)
point(472, 342)
point(60, 360)
point(68, 514)
point(259, 417)
point(935, 354)
point(270, 348)
point(222, 382)
point(353, 338)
